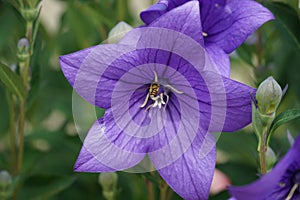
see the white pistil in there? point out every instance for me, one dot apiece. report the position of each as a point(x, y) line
point(204, 34)
point(291, 193)
point(158, 102)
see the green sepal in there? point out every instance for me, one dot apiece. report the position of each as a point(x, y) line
point(12, 81)
point(261, 124)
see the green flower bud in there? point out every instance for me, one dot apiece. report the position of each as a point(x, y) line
point(5, 179)
point(29, 14)
point(23, 49)
point(268, 96)
point(108, 182)
point(23, 45)
point(118, 32)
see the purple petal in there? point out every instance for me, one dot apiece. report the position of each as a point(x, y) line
point(228, 25)
point(180, 18)
point(85, 68)
point(160, 8)
point(225, 104)
point(190, 176)
point(153, 12)
point(269, 185)
point(220, 58)
point(99, 154)
point(239, 108)
point(71, 63)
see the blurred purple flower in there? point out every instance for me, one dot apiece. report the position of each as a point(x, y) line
point(163, 98)
point(283, 182)
point(225, 24)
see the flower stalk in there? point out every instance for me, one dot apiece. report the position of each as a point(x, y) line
point(150, 190)
point(12, 130)
point(262, 154)
point(24, 53)
point(163, 190)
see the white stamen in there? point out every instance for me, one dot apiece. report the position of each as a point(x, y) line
point(155, 76)
point(291, 193)
point(173, 89)
point(145, 102)
point(204, 34)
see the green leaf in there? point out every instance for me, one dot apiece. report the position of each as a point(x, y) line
point(245, 52)
point(220, 196)
point(12, 81)
point(45, 186)
point(288, 22)
point(283, 118)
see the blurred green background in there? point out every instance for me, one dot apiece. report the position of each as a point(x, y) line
point(52, 143)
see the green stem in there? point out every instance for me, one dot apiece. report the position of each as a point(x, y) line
point(24, 72)
point(12, 130)
point(29, 28)
point(21, 135)
point(121, 9)
point(170, 194)
point(163, 190)
point(262, 153)
point(150, 190)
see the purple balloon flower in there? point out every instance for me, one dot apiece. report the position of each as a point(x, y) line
point(283, 182)
point(225, 24)
point(163, 98)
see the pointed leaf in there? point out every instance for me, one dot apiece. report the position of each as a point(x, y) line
point(12, 81)
point(45, 186)
point(288, 22)
point(283, 118)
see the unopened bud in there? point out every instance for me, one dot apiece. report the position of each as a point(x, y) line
point(118, 32)
point(5, 179)
point(29, 14)
point(268, 96)
point(108, 182)
point(23, 49)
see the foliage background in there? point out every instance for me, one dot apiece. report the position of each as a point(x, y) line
point(51, 142)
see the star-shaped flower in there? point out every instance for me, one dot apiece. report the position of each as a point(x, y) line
point(163, 97)
point(283, 182)
point(225, 24)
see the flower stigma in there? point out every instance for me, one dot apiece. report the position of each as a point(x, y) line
point(158, 93)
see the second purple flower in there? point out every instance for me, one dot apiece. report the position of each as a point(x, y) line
point(225, 24)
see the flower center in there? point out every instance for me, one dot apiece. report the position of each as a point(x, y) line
point(296, 186)
point(296, 178)
point(158, 94)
